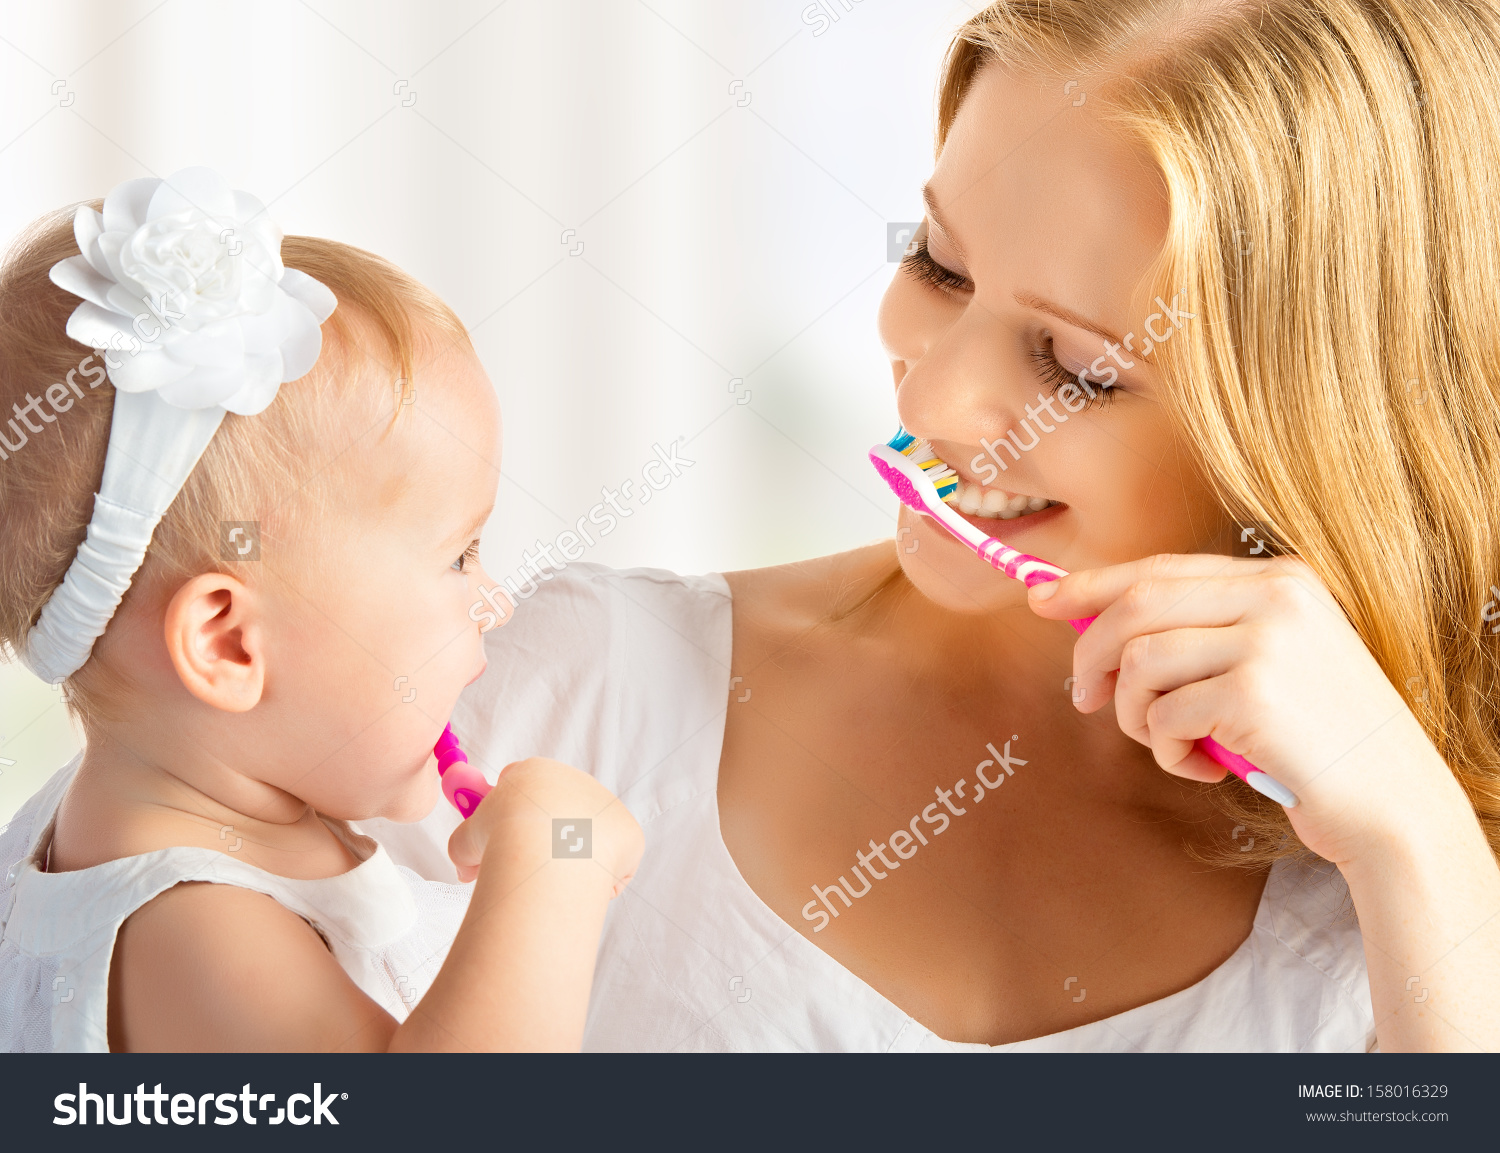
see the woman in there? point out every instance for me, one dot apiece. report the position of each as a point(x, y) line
point(1196, 278)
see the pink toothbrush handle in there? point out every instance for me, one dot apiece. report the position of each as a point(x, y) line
point(463, 784)
point(1261, 782)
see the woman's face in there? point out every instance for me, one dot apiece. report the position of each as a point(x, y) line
point(1042, 224)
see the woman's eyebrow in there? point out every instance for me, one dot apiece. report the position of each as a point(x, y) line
point(1039, 304)
point(937, 218)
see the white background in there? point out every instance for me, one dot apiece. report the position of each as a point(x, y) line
point(728, 167)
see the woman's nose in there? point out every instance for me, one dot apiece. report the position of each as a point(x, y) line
point(968, 382)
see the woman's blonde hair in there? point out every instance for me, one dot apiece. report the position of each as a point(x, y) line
point(48, 478)
point(1334, 213)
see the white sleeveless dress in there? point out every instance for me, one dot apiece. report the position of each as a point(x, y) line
point(626, 675)
point(387, 927)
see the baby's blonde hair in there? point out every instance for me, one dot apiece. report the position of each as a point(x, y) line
point(384, 318)
point(1334, 209)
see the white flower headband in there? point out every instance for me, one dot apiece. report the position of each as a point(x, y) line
point(184, 276)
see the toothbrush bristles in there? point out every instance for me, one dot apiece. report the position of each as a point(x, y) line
point(943, 478)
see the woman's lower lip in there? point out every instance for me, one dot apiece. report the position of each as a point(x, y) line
point(1005, 529)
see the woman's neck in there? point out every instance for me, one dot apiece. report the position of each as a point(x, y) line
point(997, 666)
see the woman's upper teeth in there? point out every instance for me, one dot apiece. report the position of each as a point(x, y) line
point(976, 500)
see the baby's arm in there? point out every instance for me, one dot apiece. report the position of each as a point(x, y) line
point(519, 973)
point(215, 967)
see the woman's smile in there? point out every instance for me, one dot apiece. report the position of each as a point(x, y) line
point(989, 502)
point(1007, 527)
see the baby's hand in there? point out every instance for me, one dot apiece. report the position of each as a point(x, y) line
point(518, 975)
point(516, 821)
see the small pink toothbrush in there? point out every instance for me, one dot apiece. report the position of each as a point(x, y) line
point(916, 475)
point(463, 784)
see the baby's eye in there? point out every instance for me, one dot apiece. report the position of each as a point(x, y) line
point(469, 558)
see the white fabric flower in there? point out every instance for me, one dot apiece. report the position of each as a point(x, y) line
point(183, 279)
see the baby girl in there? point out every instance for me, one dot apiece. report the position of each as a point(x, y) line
point(240, 500)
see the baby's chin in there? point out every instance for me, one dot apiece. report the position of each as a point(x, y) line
point(416, 799)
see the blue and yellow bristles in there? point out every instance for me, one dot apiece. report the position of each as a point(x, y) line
point(943, 478)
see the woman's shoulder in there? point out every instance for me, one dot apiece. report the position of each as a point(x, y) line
point(609, 670)
point(585, 583)
point(570, 613)
point(580, 629)
point(566, 618)
point(790, 598)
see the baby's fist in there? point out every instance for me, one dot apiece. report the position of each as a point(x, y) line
point(516, 821)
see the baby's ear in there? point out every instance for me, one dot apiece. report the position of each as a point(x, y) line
point(214, 641)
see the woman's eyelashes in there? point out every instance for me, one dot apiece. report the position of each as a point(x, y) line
point(469, 557)
point(1052, 373)
point(919, 263)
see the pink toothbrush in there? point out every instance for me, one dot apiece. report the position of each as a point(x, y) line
point(921, 479)
point(463, 784)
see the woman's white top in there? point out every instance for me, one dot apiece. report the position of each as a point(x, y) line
point(387, 927)
point(626, 675)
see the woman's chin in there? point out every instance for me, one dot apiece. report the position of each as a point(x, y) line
point(948, 574)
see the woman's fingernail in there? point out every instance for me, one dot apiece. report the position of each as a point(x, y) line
point(1042, 591)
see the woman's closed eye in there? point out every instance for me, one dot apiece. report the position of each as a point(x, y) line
point(469, 557)
point(1055, 376)
point(920, 263)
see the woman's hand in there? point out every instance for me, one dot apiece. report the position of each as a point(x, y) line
point(1258, 655)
